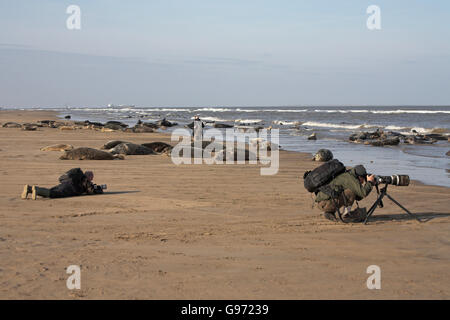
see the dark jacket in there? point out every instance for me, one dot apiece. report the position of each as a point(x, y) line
point(347, 180)
point(69, 188)
point(191, 125)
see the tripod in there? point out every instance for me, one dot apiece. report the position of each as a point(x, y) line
point(379, 203)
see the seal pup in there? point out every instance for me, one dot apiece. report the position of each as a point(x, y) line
point(89, 154)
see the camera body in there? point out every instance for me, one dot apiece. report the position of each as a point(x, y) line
point(396, 180)
point(100, 187)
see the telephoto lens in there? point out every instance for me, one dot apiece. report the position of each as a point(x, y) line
point(395, 180)
point(400, 180)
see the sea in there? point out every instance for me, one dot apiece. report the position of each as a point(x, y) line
point(332, 124)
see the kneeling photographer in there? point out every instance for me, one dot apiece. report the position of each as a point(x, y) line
point(349, 186)
point(336, 188)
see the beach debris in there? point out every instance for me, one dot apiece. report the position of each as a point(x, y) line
point(57, 147)
point(128, 148)
point(312, 137)
point(89, 154)
point(323, 155)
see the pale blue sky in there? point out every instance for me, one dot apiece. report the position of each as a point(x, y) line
point(228, 52)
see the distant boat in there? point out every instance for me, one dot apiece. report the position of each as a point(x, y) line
point(110, 105)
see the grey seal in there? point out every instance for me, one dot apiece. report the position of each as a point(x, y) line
point(88, 154)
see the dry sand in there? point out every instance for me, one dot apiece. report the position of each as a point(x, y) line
point(203, 232)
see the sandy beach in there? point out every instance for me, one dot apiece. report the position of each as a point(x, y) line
point(163, 231)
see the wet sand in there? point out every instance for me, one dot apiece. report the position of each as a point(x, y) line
point(203, 232)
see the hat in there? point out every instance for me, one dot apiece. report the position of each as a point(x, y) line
point(360, 171)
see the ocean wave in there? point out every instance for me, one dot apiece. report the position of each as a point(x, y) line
point(249, 121)
point(399, 129)
point(286, 110)
point(286, 123)
point(212, 119)
point(333, 125)
point(213, 110)
point(382, 111)
point(270, 110)
point(410, 111)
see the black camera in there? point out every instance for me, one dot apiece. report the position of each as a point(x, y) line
point(100, 187)
point(396, 180)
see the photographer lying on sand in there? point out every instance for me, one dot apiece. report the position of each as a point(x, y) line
point(73, 183)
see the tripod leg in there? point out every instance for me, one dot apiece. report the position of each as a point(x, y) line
point(374, 206)
point(406, 210)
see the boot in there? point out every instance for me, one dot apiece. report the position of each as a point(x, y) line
point(37, 191)
point(26, 191)
point(330, 216)
point(357, 215)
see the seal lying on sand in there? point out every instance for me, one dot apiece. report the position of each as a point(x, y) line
point(29, 127)
point(11, 125)
point(89, 154)
point(323, 155)
point(57, 147)
point(159, 147)
point(131, 149)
